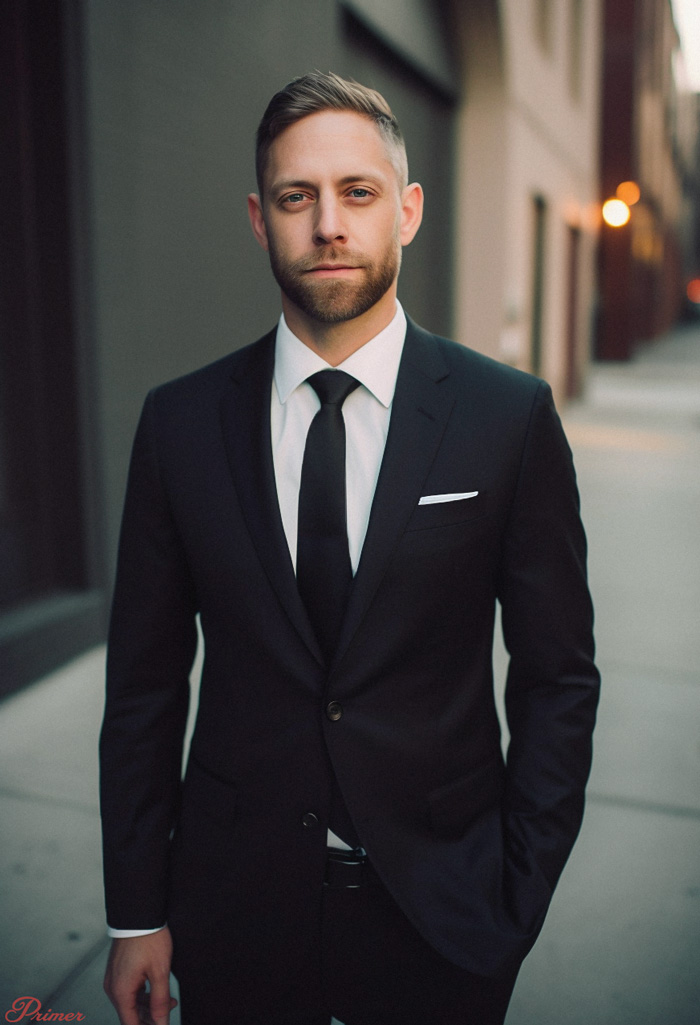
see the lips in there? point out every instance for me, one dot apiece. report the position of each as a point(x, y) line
point(331, 267)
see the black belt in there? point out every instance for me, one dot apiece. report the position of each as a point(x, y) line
point(348, 870)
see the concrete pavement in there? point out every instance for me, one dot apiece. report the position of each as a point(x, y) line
point(621, 945)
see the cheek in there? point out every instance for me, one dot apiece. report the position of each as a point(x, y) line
point(288, 243)
point(380, 239)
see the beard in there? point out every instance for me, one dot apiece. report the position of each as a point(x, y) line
point(329, 301)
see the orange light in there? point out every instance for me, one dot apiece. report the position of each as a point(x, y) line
point(628, 192)
point(693, 290)
point(615, 213)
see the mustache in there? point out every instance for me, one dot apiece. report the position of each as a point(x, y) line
point(344, 258)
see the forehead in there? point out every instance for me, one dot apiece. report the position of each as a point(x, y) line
point(328, 144)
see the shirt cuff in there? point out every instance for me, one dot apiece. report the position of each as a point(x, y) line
point(122, 934)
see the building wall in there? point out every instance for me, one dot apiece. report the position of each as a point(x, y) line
point(529, 132)
point(644, 264)
point(162, 103)
point(480, 212)
point(688, 121)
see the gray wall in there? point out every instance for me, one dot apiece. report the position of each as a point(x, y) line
point(174, 91)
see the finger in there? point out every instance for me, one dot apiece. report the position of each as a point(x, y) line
point(161, 1002)
point(127, 1006)
point(144, 1009)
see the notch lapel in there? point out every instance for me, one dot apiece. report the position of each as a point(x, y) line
point(420, 411)
point(245, 421)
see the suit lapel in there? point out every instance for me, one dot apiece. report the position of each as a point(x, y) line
point(245, 420)
point(421, 408)
point(420, 411)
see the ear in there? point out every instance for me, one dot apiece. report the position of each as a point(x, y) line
point(257, 220)
point(411, 212)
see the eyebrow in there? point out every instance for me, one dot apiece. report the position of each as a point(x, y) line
point(289, 183)
point(349, 179)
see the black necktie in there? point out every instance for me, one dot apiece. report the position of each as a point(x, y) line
point(324, 571)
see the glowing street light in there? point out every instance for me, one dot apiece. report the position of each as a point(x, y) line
point(616, 213)
point(693, 291)
point(628, 192)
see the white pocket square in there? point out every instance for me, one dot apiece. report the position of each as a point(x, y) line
point(434, 499)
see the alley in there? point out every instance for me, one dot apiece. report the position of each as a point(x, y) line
point(622, 943)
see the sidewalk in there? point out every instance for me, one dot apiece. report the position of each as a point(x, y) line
point(622, 943)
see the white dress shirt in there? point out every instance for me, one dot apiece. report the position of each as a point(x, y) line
point(366, 411)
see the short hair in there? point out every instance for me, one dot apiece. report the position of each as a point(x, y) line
point(316, 92)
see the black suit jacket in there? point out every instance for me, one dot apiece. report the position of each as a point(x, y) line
point(470, 847)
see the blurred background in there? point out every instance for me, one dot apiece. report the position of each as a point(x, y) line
point(558, 143)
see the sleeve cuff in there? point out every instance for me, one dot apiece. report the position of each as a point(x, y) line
point(121, 934)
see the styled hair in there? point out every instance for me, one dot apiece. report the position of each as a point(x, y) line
point(315, 92)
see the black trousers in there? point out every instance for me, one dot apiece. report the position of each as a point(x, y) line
point(372, 968)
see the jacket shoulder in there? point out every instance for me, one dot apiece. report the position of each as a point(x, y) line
point(475, 371)
point(486, 370)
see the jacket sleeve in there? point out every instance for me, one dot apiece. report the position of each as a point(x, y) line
point(152, 642)
point(552, 684)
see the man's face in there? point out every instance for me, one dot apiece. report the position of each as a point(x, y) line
point(332, 218)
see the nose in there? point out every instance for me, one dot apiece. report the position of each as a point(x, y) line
point(329, 225)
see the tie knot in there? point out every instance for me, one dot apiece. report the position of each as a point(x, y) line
point(333, 386)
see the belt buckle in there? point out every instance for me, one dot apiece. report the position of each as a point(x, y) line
point(345, 870)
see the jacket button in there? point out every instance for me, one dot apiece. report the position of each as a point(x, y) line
point(334, 711)
point(309, 820)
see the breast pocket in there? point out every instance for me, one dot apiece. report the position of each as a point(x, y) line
point(447, 527)
point(444, 514)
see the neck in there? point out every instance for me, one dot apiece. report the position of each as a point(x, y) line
point(336, 342)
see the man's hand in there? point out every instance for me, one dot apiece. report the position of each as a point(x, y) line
point(133, 961)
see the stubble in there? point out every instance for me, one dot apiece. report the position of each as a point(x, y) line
point(330, 301)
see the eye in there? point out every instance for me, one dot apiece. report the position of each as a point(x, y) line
point(359, 193)
point(294, 198)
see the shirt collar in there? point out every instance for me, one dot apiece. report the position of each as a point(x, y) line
point(375, 364)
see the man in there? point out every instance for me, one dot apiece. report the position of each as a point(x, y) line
point(347, 840)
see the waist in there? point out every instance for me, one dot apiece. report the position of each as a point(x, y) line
point(349, 870)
